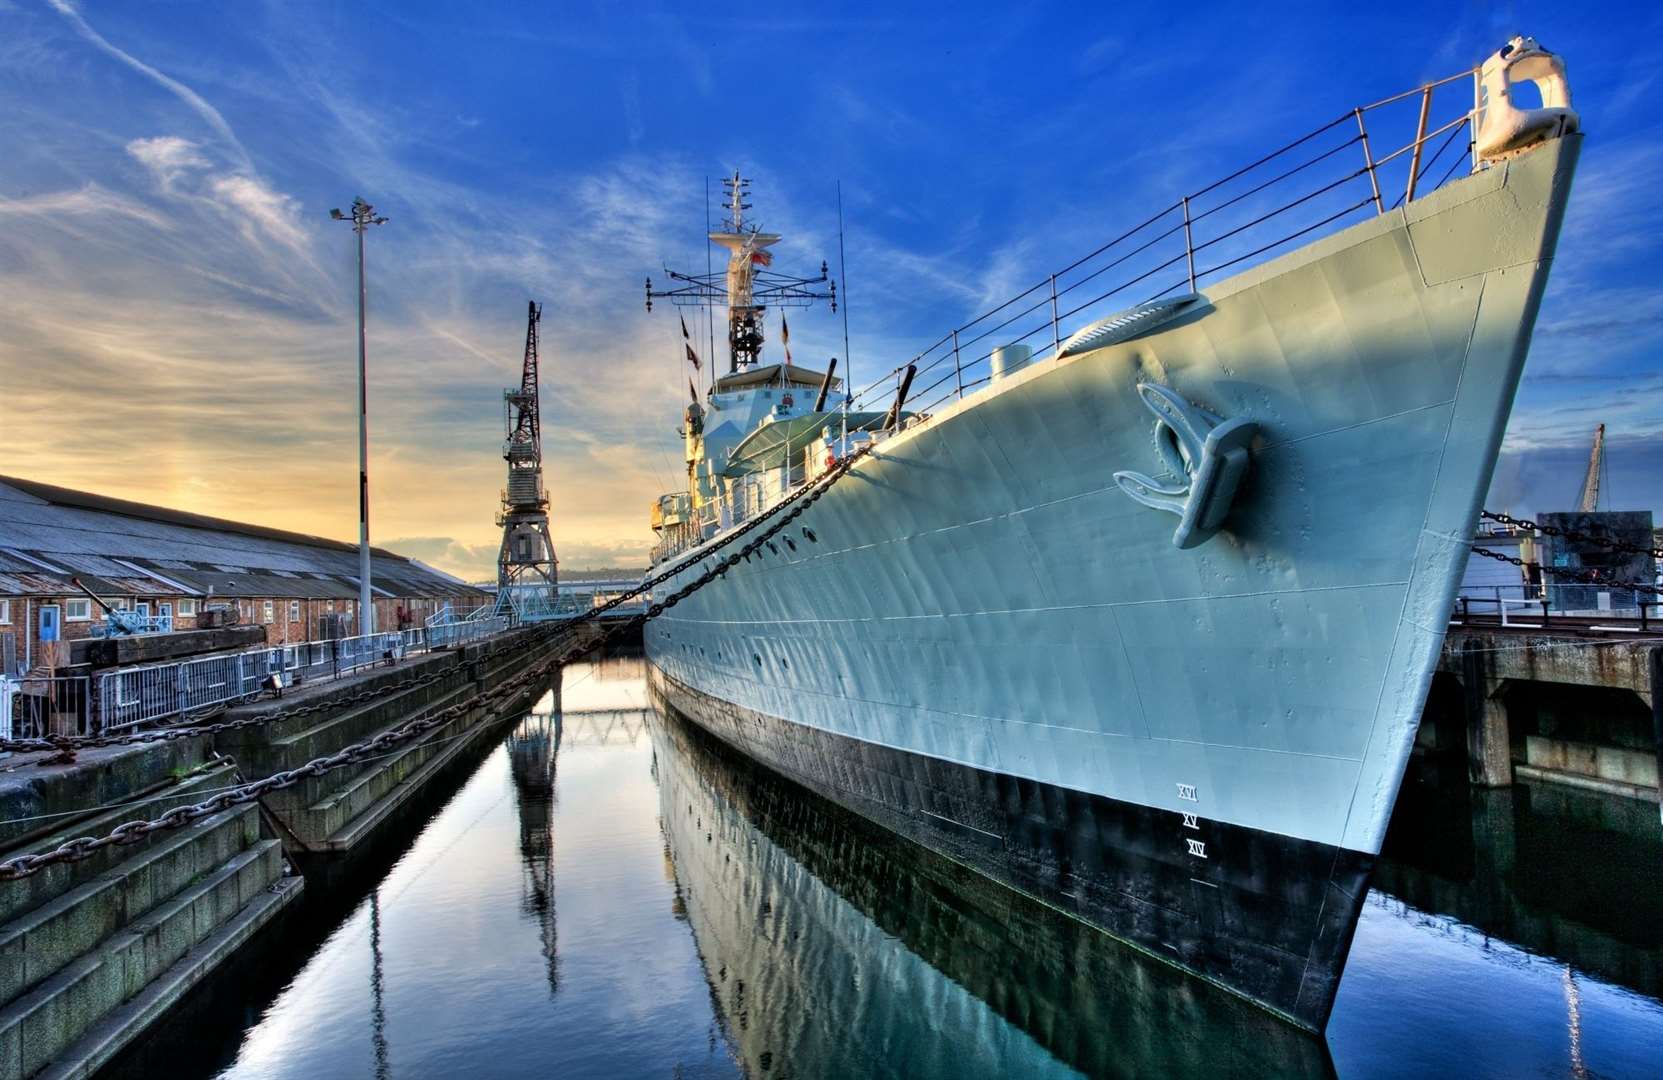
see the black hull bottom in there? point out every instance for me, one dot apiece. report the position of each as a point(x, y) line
point(1262, 915)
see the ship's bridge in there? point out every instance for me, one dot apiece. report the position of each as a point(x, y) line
point(776, 375)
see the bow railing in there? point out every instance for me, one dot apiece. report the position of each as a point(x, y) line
point(1304, 189)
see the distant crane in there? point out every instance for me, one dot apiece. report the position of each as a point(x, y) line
point(526, 560)
point(1589, 502)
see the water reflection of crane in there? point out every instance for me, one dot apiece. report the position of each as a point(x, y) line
point(533, 753)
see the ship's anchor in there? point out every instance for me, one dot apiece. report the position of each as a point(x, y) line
point(1209, 451)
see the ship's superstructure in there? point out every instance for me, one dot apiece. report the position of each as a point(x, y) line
point(526, 566)
point(753, 395)
point(1095, 617)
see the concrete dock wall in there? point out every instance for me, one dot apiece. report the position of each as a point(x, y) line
point(94, 951)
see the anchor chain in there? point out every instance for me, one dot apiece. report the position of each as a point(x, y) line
point(132, 832)
point(1581, 577)
point(1572, 534)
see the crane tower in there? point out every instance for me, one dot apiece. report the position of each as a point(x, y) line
point(526, 562)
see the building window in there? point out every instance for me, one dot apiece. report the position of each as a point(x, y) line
point(265, 612)
point(294, 610)
point(187, 608)
point(5, 611)
point(77, 610)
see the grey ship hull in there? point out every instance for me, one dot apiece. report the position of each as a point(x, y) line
point(989, 647)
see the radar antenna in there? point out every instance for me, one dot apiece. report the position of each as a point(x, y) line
point(749, 285)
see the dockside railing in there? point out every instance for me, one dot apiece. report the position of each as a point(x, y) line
point(1565, 605)
point(128, 697)
point(35, 705)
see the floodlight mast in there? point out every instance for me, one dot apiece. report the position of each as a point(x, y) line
point(363, 215)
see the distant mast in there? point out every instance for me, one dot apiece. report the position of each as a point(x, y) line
point(749, 285)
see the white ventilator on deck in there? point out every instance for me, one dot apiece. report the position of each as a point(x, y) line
point(1503, 128)
point(1007, 358)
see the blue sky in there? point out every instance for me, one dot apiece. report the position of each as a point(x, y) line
point(177, 308)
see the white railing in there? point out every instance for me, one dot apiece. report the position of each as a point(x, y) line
point(1310, 187)
point(1543, 603)
point(753, 495)
point(138, 695)
point(7, 689)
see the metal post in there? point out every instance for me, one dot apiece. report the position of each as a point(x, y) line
point(1056, 335)
point(1189, 243)
point(1420, 142)
point(1368, 162)
point(362, 217)
point(1472, 122)
point(958, 372)
point(1656, 666)
point(365, 612)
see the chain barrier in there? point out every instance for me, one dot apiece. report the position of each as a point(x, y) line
point(68, 744)
point(132, 832)
point(1580, 577)
point(1572, 534)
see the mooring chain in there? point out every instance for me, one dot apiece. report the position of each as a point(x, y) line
point(1581, 577)
point(1572, 534)
point(132, 832)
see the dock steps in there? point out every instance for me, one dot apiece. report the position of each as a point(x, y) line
point(90, 950)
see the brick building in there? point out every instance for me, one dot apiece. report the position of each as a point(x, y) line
point(164, 562)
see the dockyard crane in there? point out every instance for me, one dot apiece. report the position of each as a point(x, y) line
point(1589, 501)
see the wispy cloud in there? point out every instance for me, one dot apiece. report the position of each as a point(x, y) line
point(88, 199)
point(210, 115)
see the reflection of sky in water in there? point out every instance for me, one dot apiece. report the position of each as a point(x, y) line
point(466, 987)
point(1426, 996)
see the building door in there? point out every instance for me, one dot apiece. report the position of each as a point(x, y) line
point(49, 622)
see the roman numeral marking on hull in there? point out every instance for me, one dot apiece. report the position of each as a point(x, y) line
point(1197, 848)
point(1187, 792)
point(1191, 821)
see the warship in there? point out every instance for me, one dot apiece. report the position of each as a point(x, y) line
point(1126, 594)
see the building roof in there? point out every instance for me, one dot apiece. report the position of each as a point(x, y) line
point(49, 534)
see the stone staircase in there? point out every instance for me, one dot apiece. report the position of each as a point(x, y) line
point(92, 951)
point(336, 811)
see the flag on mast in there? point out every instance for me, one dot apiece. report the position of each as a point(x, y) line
point(687, 343)
point(785, 338)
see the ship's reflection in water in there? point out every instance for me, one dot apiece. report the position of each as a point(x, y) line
point(716, 921)
point(835, 949)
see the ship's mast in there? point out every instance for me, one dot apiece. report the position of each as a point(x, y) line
point(747, 287)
